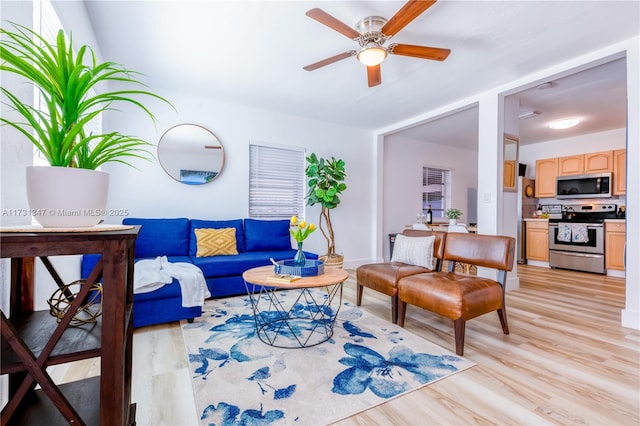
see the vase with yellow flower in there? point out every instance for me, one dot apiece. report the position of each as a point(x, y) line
point(300, 230)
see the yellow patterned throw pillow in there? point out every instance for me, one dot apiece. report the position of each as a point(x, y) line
point(212, 242)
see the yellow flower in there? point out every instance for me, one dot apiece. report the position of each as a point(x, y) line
point(300, 230)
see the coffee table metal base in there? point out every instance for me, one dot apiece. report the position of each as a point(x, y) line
point(305, 321)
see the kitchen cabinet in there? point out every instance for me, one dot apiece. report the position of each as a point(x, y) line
point(548, 169)
point(619, 172)
point(537, 240)
point(593, 162)
point(615, 233)
point(598, 162)
point(571, 165)
point(546, 173)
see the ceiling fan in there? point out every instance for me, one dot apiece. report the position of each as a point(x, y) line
point(371, 33)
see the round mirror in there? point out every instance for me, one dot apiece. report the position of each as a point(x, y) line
point(191, 154)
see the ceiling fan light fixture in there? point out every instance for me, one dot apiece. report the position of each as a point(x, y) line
point(565, 123)
point(373, 55)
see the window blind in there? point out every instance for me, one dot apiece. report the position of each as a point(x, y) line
point(276, 182)
point(436, 190)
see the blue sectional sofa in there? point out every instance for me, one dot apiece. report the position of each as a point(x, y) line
point(257, 241)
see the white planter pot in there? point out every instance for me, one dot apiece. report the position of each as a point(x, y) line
point(453, 221)
point(66, 197)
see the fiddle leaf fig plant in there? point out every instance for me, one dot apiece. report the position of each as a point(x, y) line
point(69, 84)
point(326, 183)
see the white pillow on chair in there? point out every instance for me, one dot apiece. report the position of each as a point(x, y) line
point(414, 250)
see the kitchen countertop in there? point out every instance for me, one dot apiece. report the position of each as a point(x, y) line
point(615, 220)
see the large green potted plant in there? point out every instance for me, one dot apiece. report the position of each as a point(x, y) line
point(326, 183)
point(71, 84)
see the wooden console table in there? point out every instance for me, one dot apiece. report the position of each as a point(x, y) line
point(33, 340)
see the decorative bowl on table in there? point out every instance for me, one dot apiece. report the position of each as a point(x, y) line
point(311, 268)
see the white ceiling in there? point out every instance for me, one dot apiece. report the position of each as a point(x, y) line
point(252, 53)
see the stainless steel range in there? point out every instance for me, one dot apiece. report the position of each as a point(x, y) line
point(576, 241)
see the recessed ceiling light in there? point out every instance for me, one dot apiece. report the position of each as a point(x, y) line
point(565, 123)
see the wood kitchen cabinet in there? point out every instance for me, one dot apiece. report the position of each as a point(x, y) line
point(619, 172)
point(571, 165)
point(598, 162)
point(546, 173)
point(615, 233)
point(593, 162)
point(537, 240)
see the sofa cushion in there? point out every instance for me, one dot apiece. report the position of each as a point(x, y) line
point(213, 242)
point(215, 224)
point(161, 237)
point(260, 235)
point(414, 250)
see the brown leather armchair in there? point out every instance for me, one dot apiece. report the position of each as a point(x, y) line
point(458, 296)
point(384, 277)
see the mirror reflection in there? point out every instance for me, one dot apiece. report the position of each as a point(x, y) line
point(191, 154)
point(510, 171)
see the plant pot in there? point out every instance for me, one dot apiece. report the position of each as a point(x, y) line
point(334, 261)
point(66, 197)
point(453, 221)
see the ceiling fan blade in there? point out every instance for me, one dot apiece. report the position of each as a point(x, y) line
point(330, 60)
point(423, 52)
point(333, 23)
point(410, 11)
point(373, 75)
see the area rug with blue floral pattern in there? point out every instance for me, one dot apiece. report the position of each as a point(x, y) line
point(238, 379)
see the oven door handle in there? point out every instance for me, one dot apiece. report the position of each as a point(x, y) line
point(576, 254)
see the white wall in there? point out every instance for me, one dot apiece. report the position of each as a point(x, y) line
point(403, 162)
point(631, 312)
point(149, 192)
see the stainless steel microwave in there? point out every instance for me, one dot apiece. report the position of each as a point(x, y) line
point(596, 185)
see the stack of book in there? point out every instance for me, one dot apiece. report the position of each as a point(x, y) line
point(282, 279)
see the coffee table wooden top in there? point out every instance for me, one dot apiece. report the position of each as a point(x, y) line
point(331, 276)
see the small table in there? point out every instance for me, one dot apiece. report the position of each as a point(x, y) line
point(306, 321)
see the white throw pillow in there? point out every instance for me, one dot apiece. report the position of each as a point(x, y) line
point(414, 250)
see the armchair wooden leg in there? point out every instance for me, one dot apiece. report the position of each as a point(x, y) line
point(394, 309)
point(360, 289)
point(459, 326)
point(502, 314)
point(402, 310)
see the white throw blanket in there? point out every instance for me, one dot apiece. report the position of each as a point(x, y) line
point(151, 274)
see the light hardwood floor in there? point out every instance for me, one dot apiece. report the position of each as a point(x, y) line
point(566, 361)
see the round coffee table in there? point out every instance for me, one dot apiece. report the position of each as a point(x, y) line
point(297, 314)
